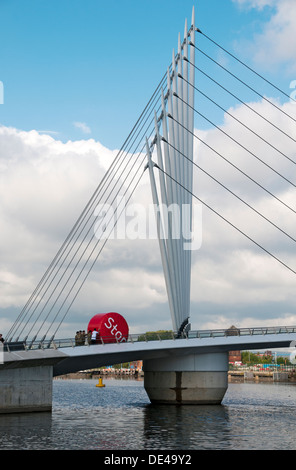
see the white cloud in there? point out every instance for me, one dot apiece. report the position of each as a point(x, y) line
point(83, 127)
point(275, 44)
point(45, 184)
point(259, 4)
point(240, 279)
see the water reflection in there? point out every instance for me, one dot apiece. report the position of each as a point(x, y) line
point(185, 427)
point(120, 417)
point(25, 431)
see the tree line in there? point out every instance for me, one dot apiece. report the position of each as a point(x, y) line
point(252, 358)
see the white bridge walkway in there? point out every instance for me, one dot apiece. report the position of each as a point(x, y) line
point(66, 357)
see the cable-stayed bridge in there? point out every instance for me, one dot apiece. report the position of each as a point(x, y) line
point(161, 143)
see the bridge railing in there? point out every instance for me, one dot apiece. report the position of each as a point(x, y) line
point(151, 336)
point(242, 332)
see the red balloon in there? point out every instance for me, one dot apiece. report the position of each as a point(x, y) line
point(111, 327)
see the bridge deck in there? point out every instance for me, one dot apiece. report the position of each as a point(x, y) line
point(84, 357)
point(71, 358)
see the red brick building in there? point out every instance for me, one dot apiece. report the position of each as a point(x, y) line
point(233, 356)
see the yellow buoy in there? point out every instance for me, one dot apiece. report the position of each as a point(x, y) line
point(100, 384)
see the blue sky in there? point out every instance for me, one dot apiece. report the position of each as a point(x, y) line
point(97, 63)
point(80, 73)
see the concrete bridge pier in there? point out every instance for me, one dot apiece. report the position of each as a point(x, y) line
point(26, 389)
point(26, 380)
point(195, 379)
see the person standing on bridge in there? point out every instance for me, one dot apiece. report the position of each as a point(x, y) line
point(1, 338)
point(83, 338)
point(94, 336)
point(89, 337)
point(77, 338)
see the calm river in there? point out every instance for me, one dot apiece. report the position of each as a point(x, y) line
point(253, 416)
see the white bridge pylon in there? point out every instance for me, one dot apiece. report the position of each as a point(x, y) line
point(174, 148)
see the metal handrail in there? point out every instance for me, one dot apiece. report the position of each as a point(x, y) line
point(157, 336)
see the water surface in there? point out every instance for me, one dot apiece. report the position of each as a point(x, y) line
point(253, 416)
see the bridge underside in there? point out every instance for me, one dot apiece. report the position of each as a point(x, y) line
point(182, 371)
point(87, 357)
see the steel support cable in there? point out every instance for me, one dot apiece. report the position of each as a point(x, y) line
point(87, 209)
point(95, 258)
point(88, 272)
point(241, 101)
point(241, 171)
point(241, 145)
point(46, 276)
point(58, 256)
point(70, 263)
point(228, 221)
point(60, 266)
point(73, 270)
point(49, 270)
point(231, 192)
point(48, 286)
point(159, 86)
point(90, 268)
point(238, 120)
point(146, 130)
point(245, 65)
point(25, 311)
point(62, 289)
point(244, 83)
